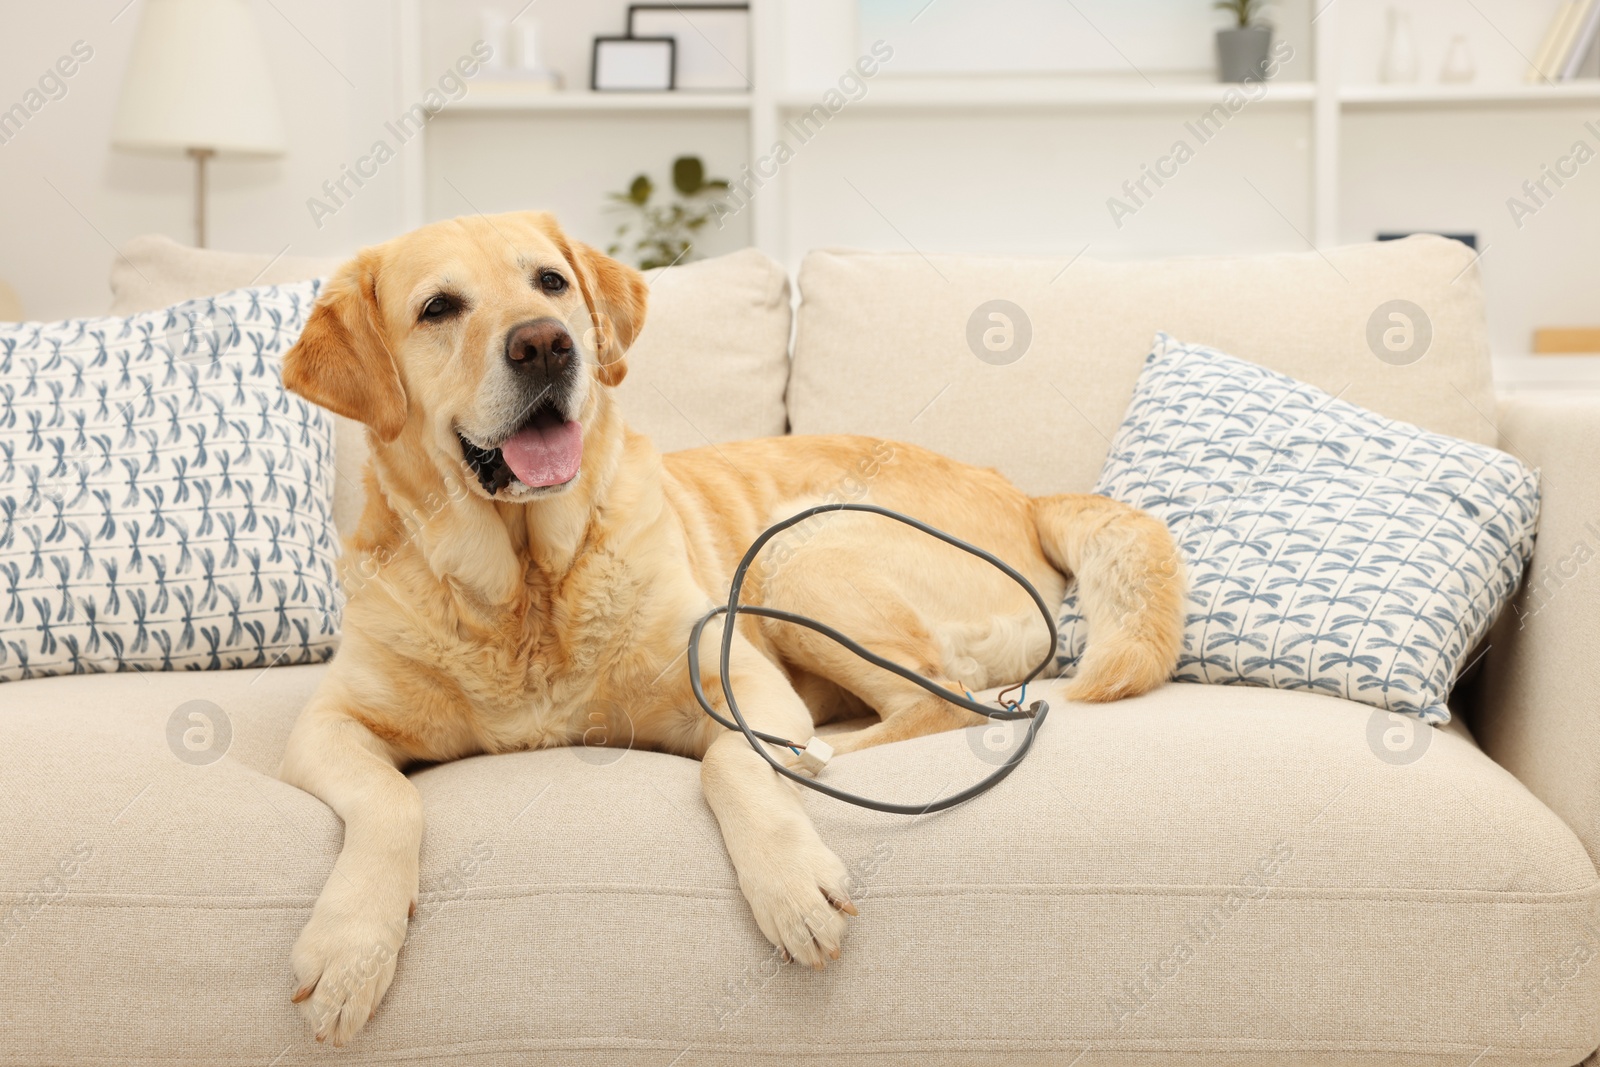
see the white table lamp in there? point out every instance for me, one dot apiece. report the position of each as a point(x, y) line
point(197, 82)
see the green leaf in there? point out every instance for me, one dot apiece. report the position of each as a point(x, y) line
point(688, 174)
point(639, 192)
point(1244, 11)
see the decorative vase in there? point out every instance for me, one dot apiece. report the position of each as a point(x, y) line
point(1459, 67)
point(1242, 53)
point(531, 70)
point(1399, 64)
point(495, 29)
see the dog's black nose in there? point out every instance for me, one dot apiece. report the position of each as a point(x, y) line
point(542, 346)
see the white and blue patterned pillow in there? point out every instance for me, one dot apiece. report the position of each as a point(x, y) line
point(1329, 548)
point(164, 502)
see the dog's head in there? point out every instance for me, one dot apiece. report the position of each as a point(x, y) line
point(488, 340)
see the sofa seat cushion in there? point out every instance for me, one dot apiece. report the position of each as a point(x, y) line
point(1203, 875)
point(1027, 365)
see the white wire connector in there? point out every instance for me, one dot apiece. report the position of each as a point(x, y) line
point(816, 755)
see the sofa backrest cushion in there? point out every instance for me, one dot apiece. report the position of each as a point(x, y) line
point(907, 346)
point(712, 362)
point(154, 271)
point(710, 365)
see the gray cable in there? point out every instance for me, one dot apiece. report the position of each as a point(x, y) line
point(1036, 712)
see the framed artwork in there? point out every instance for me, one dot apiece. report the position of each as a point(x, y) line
point(633, 64)
point(713, 42)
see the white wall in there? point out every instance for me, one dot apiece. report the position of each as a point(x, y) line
point(1155, 38)
point(337, 65)
point(1039, 183)
point(1034, 181)
point(337, 75)
point(499, 162)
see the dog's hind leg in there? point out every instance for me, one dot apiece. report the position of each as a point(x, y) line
point(881, 621)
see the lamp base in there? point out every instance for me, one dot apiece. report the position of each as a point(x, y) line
point(200, 156)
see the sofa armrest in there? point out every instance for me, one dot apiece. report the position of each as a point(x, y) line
point(1538, 713)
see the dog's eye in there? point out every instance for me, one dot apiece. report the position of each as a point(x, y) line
point(551, 282)
point(439, 307)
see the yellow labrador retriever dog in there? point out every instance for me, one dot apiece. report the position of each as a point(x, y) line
point(524, 560)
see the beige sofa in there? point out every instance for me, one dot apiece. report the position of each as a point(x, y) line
point(1205, 875)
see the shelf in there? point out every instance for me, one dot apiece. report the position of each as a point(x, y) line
point(510, 96)
point(1415, 96)
point(1546, 372)
point(977, 94)
point(960, 94)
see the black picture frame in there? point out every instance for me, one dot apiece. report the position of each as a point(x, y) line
point(671, 45)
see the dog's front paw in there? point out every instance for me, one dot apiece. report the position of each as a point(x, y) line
point(343, 963)
point(800, 897)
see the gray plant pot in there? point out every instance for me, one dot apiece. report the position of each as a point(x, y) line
point(1242, 54)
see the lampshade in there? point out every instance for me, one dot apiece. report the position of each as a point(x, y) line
point(198, 79)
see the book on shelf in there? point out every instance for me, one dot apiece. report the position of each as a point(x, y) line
point(1583, 39)
point(1544, 66)
point(1541, 59)
point(1568, 43)
point(1574, 341)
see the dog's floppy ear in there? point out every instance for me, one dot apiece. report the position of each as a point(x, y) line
point(341, 361)
point(616, 295)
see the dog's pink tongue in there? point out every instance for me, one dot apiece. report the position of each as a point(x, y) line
point(545, 455)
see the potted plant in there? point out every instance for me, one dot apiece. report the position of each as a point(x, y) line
point(1242, 49)
point(659, 235)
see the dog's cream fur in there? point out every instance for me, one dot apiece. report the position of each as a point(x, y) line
point(479, 623)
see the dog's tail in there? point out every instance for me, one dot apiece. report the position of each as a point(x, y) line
point(1130, 589)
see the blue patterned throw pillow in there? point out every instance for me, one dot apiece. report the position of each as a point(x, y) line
point(1329, 549)
point(164, 502)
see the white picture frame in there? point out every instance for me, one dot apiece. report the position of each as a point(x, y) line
point(713, 53)
point(633, 65)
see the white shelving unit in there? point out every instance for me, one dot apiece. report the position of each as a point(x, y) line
point(768, 105)
point(1329, 102)
point(512, 97)
point(1043, 94)
point(1521, 373)
point(1047, 94)
point(1377, 96)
